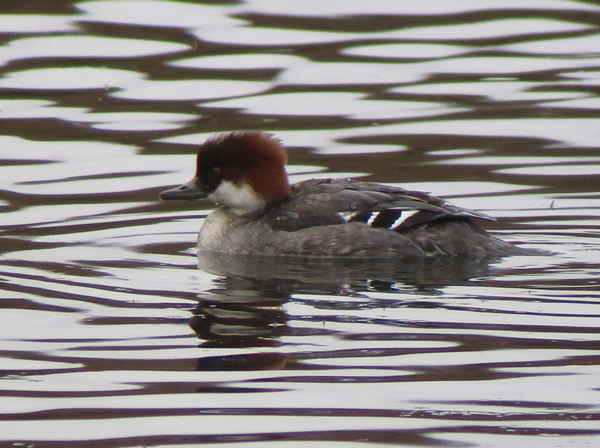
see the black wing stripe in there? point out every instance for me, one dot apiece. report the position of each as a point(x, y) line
point(392, 219)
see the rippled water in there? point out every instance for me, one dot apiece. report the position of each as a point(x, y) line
point(111, 336)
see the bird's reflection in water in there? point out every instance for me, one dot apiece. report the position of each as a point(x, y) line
point(289, 273)
point(245, 307)
point(241, 313)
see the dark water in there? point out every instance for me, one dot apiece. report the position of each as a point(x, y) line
point(110, 335)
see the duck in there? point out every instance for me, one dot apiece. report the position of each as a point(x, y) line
point(260, 214)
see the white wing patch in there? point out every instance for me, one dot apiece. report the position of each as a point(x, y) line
point(347, 216)
point(404, 215)
point(372, 218)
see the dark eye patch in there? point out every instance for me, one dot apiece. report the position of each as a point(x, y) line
point(214, 171)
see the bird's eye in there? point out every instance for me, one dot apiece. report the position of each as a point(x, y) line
point(214, 171)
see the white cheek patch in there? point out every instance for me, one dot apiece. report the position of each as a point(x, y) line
point(241, 199)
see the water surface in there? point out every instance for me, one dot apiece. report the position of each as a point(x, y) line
point(111, 335)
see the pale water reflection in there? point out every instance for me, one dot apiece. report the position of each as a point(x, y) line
point(36, 24)
point(84, 47)
point(250, 36)
point(112, 336)
point(68, 78)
